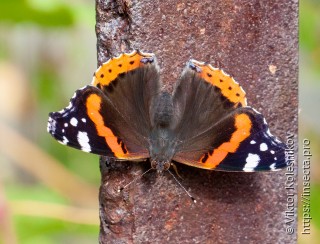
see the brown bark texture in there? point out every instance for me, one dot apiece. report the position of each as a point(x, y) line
point(255, 42)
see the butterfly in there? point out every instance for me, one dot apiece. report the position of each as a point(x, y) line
point(205, 122)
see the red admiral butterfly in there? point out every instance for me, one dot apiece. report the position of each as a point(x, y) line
point(204, 123)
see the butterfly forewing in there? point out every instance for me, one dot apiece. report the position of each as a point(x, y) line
point(112, 117)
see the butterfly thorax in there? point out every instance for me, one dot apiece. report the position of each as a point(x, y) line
point(161, 149)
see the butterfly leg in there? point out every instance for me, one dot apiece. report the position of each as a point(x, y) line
point(176, 170)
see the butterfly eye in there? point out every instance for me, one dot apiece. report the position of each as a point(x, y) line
point(154, 164)
point(166, 165)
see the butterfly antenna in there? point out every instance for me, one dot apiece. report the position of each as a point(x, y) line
point(134, 180)
point(191, 197)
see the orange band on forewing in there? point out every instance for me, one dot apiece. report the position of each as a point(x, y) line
point(93, 107)
point(229, 87)
point(111, 69)
point(243, 126)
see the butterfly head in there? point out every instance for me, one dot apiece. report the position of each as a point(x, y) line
point(160, 165)
point(161, 149)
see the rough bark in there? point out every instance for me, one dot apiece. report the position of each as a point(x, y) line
point(254, 41)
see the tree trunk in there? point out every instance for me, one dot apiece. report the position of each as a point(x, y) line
point(255, 42)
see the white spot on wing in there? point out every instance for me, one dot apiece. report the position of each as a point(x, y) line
point(84, 120)
point(234, 81)
point(245, 100)
point(253, 142)
point(277, 140)
point(74, 121)
point(273, 166)
point(196, 62)
point(224, 73)
point(213, 68)
point(64, 141)
point(272, 152)
point(83, 140)
point(65, 124)
point(263, 147)
point(252, 162)
point(69, 105)
point(275, 158)
point(51, 126)
point(61, 111)
point(130, 54)
point(255, 110)
point(264, 121)
point(269, 133)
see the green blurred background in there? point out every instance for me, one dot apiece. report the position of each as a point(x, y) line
point(309, 99)
point(48, 193)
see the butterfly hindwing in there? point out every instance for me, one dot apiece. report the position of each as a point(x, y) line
point(239, 142)
point(260, 151)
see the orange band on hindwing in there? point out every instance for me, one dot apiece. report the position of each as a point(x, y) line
point(243, 126)
point(116, 66)
point(93, 105)
point(217, 77)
